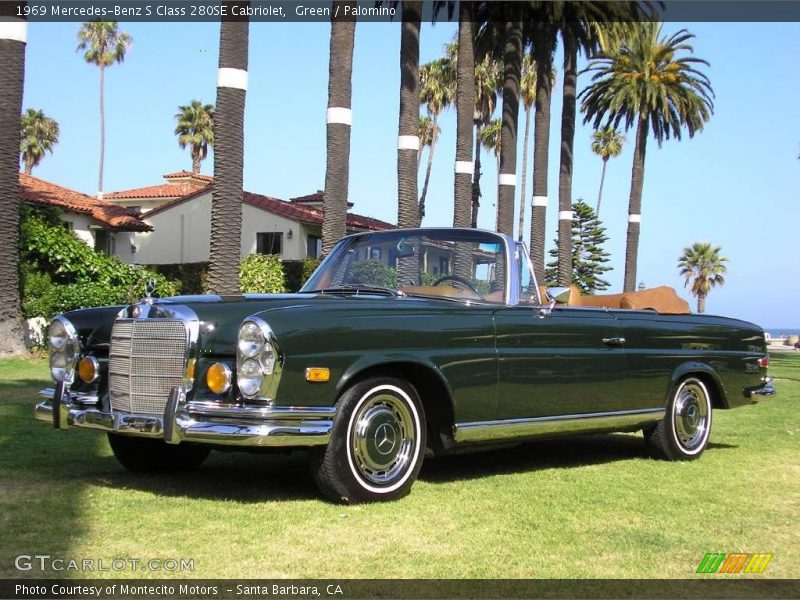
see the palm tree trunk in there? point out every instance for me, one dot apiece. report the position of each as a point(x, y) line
point(28, 167)
point(102, 130)
point(196, 163)
point(568, 113)
point(226, 206)
point(465, 108)
point(337, 170)
point(524, 174)
point(602, 181)
point(541, 140)
point(507, 177)
point(701, 303)
point(431, 150)
point(635, 206)
point(476, 178)
point(12, 55)
point(408, 127)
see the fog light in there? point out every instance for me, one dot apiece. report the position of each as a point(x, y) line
point(88, 369)
point(218, 378)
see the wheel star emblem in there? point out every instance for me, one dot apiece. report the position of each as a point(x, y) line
point(384, 438)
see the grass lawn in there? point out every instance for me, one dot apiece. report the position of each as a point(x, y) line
point(592, 506)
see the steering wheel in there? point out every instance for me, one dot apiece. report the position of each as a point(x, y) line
point(460, 280)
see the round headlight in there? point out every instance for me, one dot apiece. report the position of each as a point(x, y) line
point(249, 377)
point(57, 334)
point(251, 339)
point(58, 366)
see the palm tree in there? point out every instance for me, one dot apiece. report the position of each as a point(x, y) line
point(38, 135)
point(542, 33)
point(507, 173)
point(606, 143)
point(527, 91)
point(195, 129)
point(104, 45)
point(437, 91)
point(408, 126)
point(226, 206)
point(13, 35)
point(487, 84)
point(492, 140)
point(429, 132)
point(465, 109)
point(339, 119)
point(648, 84)
point(704, 267)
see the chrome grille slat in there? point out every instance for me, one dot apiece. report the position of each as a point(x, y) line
point(147, 359)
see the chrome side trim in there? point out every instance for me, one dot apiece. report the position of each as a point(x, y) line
point(485, 431)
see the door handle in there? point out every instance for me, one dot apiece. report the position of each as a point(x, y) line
point(615, 341)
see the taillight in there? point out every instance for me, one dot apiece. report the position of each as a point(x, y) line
point(763, 362)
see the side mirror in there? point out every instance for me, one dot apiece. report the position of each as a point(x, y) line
point(557, 295)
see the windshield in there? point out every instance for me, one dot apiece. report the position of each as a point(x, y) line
point(452, 264)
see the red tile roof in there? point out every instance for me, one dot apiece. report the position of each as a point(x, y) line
point(190, 175)
point(187, 183)
point(43, 193)
point(291, 210)
point(315, 198)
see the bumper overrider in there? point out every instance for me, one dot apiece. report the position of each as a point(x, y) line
point(202, 422)
point(764, 389)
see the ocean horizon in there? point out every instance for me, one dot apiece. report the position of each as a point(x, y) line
point(782, 331)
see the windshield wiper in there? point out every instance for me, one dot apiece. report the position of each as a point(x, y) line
point(362, 287)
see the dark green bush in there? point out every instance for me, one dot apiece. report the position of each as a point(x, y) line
point(298, 272)
point(60, 272)
point(373, 272)
point(262, 273)
point(190, 277)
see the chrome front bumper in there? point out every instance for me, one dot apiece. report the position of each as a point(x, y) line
point(194, 421)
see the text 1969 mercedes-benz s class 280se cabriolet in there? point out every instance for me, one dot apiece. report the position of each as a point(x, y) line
point(402, 343)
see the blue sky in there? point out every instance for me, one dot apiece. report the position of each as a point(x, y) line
point(735, 184)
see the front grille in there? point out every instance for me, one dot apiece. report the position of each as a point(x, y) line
point(148, 359)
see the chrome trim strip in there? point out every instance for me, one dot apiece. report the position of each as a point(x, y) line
point(189, 422)
point(79, 397)
point(553, 425)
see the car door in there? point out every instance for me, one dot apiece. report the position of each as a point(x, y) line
point(568, 362)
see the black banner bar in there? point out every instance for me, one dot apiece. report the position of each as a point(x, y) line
point(353, 589)
point(277, 11)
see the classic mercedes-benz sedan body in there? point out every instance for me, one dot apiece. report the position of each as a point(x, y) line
point(402, 344)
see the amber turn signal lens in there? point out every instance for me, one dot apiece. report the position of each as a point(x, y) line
point(88, 369)
point(218, 378)
point(318, 374)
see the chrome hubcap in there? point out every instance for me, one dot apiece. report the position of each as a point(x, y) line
point(382, 439)
point(690, 415)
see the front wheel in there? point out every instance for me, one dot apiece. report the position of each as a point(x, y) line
point(683, 433)
point(145, 455)
point(376, 446)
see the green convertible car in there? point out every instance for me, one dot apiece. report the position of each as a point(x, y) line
point(402, 344)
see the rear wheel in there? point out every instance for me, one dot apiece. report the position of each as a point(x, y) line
point(144, 455)
point(376, 446)
point(683, 433)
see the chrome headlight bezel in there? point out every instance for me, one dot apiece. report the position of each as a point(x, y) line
point(258, 359)
point(64, 349)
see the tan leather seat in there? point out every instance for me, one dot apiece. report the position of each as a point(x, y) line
point(662, 299)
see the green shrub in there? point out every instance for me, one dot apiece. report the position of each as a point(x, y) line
point(191, 278)
point(61, 273)
point(298, 272)
point(262, 273)
point(373, 272)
